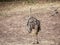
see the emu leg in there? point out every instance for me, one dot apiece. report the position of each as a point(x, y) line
point(36, 34)
point(35, 40)
point(35, 37)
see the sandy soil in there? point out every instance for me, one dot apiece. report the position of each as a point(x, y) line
point(13, 29)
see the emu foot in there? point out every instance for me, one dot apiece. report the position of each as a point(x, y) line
point(35, 42)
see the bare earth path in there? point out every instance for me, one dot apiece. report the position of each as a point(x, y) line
point(13, 30)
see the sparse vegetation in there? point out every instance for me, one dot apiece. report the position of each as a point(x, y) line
point(29, 1)
point(13, 29)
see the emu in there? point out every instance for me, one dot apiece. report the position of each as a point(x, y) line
point(34, 24)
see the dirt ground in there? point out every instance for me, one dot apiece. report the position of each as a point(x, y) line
point(13, 29)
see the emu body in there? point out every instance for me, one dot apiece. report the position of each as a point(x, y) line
point(33, 24)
